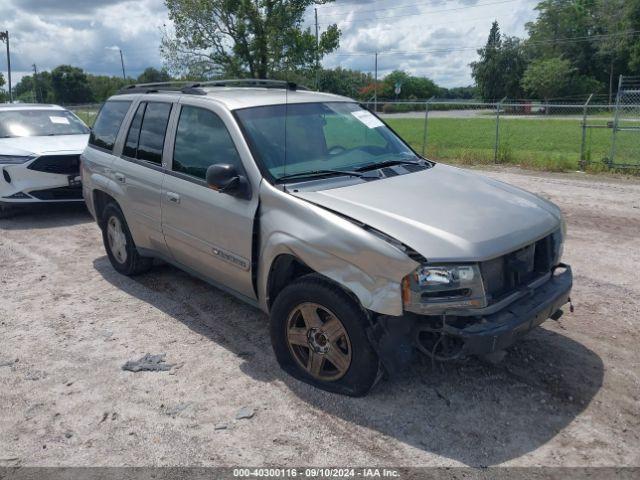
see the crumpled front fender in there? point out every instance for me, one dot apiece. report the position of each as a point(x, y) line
point(365, 264)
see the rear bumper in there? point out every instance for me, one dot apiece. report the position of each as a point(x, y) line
point(501, 329)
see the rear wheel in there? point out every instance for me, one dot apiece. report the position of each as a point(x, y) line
point(119, 245)
point(318, 335)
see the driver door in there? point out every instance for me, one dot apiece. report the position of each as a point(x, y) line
point(207, 231)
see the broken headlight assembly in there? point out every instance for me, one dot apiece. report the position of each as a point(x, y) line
point(435, 289)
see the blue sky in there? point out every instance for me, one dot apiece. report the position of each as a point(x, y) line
point(436, 38)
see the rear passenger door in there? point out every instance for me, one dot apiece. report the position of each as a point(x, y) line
point(140, 172)
point(208, 231)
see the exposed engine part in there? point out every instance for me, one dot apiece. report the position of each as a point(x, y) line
point(433, 341)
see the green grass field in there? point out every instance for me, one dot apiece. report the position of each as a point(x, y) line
point(546, 144)
point(88, 116)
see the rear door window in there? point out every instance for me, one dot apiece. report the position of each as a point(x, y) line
point(131, 145)
point(105, 129)
point(152, 132)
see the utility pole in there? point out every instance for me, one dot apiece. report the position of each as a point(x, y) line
point(4, 36)
point(124, 76)
point(317, 53)
point(35, 84)
point(375, 84)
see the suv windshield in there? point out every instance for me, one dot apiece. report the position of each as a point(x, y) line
point(33, 123)
point(294, 139)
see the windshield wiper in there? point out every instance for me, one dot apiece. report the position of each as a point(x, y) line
point(315, 173)
point(389, 163)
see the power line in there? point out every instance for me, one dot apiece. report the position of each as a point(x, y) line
point(457, 49)
point(360, 20)
point(458, 22)
point(410, 5)
point(357, 3)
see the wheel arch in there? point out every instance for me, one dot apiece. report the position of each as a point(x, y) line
point(287, 268)
point(100, 200)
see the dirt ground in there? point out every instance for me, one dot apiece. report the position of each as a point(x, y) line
point(568, 394)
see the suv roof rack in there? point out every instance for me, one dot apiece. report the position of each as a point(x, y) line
point(195, 88)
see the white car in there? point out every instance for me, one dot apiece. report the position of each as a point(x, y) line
point(40, 147)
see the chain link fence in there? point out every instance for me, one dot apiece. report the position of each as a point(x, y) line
point(625, 145)
point(550, 136)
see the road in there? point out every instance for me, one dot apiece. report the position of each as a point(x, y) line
point(568, 394)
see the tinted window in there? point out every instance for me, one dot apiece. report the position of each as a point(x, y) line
point(108, 123)
point(154, 126)
point(131, 145)
point(202, 140)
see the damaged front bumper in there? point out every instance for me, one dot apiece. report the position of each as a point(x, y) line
point(448, 337)
point(501, 329)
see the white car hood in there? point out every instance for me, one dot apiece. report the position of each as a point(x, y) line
point(445, 213)
point(70, 144)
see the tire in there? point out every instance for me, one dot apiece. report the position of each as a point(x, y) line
point(302, 341)
point(118, 243)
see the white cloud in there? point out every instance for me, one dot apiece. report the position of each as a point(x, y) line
point(429, 37)
point(83, 33)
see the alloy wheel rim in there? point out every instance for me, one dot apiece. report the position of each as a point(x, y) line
point(318, 342)
point(117, 239)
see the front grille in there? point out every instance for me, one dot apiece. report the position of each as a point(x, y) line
point(63, 164)
point(60, 193)
point(503, 275)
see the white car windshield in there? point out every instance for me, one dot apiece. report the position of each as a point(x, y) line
point(295, 139)
point(39, 122)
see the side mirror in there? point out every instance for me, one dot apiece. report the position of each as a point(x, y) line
point(225, 178)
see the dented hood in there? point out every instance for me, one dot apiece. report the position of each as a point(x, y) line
point(445, 213)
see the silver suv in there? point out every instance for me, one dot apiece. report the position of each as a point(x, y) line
point(309, 207)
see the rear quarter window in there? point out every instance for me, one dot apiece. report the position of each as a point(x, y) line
point(105, 129)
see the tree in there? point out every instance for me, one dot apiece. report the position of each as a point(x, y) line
point(254, 38)
point(410, 87)
point(153, 75)
point(599, 37)
point(500, 68)
point(35, 89)
point(559, 20)
point(342, 81)
point(547, 78)
point(103, 86)
point(70, 85)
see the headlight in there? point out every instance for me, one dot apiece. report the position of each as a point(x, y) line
point(437, 288)
point(436, 277)
point(13, 159)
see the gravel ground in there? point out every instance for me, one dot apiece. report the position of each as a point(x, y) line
point(568, 394)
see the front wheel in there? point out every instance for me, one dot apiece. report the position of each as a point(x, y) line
point(318, 335)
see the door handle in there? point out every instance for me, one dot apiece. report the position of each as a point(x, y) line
point(120, 177)
point(173, 197)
